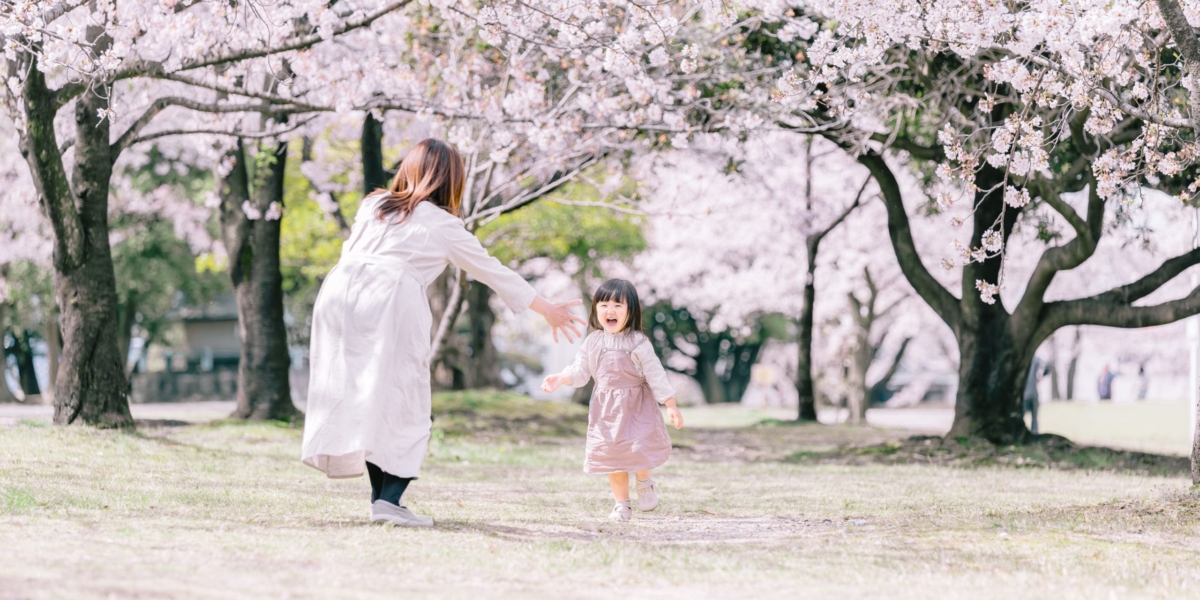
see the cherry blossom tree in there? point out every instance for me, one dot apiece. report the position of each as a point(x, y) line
point(1014, 108)
point(732, 224)
point(100, 60)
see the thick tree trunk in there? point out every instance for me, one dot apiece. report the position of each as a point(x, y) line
point(253, 247)
point(991, 374)
point(482, 369)
point(805, 387)
point(994, 353)
point(91, 384)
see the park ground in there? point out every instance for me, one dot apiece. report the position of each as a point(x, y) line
point(192, 507)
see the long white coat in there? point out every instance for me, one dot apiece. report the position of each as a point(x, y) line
point(369, 394)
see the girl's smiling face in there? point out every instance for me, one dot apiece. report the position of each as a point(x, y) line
point(612, 314)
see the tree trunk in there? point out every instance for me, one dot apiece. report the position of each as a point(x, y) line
point(253, 248)
point(805, 387)
point(91, 384)
point(1052, 371)
point(806, 390)
point(482, 369)
point(6, 395)
point(877, 389)
point(53, 350)
point(371, 144)
point(994, 358)
point(991, 374)
point(737, 378)
point(126, 316)
point(1072, 366)
point(22, 352)
point(709, 380)
point(860, 361)
point(1196, 453)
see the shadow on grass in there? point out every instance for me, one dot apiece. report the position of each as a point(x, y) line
point(1046, 452)
point(704, 529)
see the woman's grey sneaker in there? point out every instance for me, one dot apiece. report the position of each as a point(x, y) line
point(383, 511)
point(621, 512)
point(647, 495)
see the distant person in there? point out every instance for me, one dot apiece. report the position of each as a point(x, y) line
point(625, 428)
point(1030, 400)
point(369, 394)
point(1104, 384)
point(1143, 382)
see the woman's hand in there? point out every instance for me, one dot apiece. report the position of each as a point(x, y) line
point(673, 414)
point(558, 316)
point(553, 382)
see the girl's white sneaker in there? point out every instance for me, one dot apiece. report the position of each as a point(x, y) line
point(647, 495)
point(620, 512)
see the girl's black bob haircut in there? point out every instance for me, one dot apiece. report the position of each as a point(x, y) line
point(621, 291)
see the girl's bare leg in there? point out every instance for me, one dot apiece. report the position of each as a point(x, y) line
point(620, 485)
point(643, 475)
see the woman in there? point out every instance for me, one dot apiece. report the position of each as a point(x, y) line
point(369, 394)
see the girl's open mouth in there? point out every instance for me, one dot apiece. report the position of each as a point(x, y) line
point(612, 322)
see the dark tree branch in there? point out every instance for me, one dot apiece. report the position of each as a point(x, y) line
point(814, 240)
point(878, 387)
point(1090, 311)
point(130, 137)
point(248, 135)
point(1130, 293)
point(935, 153)
point(555, 181)
point(1060, 258)
point(937, 296)
point(39, 146)
point(1079, 138)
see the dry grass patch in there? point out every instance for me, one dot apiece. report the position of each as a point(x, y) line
point(225, 510)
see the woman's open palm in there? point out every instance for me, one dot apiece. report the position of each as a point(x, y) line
point(558, 316)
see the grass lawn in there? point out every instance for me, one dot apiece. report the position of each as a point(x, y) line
point(1160, 427)
point(225, 510)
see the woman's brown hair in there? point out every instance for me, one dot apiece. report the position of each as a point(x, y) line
point(432, 170)
point(621, 291)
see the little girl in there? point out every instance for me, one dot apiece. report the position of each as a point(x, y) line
point(625, 428)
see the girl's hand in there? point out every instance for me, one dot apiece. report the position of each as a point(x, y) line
point(552, 382)
point(675, 417)
point(558, 316)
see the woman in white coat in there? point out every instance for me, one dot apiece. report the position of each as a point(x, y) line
point(369, 394)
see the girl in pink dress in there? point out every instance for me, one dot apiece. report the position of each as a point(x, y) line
point(625, 427)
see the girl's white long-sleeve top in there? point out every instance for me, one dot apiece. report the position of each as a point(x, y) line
point(637, 345)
